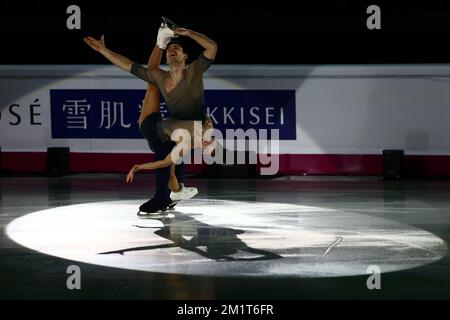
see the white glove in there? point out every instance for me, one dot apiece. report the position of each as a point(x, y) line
point(165, 34)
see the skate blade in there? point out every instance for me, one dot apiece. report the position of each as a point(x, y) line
point(174, 203)
point(151, 215)
point(170, 24)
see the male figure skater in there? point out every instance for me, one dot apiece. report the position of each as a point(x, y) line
point(182, 88)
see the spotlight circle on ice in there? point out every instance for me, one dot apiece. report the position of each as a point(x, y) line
point(227, 238)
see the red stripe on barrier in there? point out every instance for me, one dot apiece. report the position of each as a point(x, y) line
point(297, 164)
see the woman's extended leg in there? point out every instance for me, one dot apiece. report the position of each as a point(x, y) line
point(151, 99)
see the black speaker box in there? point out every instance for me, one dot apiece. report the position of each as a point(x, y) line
point(393, 164)
point(58, 161)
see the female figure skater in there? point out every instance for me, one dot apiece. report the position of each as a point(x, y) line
point(190, 138)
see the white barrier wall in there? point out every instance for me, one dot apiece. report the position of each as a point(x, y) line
point(350, 109)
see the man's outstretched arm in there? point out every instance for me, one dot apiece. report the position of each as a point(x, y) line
point(209, 45)
point(117, 59)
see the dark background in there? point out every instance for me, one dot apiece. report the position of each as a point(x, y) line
point(276, 32)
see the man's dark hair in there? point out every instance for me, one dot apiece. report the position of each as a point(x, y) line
point(182, 43)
